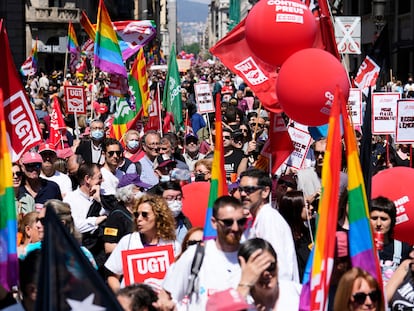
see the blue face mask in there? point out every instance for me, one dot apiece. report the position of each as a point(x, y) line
point(97, 134)
point(133, 144)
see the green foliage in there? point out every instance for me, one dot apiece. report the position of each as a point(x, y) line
point(192, 48)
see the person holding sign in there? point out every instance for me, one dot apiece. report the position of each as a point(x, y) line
point(154, 226)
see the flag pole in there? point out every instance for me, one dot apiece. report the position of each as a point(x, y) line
point(76, 125)
point(66, 57)
point(159, 106)
point(92, 93)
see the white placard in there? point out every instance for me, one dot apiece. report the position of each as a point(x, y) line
point(384, 112)
point(75, 99)
point(355, 106)
point(348, 34)
point(301, 141)
point(203, 97)
point(405, 121)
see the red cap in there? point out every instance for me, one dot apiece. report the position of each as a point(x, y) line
point(228, 300)
point(47, 147)
point(31, 157)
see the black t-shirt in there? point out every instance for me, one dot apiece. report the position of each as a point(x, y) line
point(118, 224)
point(231, 162)
point(387, 263)
point(403, 298)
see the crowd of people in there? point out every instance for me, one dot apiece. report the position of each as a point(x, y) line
point(123, 195)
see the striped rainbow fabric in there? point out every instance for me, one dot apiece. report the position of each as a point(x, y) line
point(138, 81)
point(107, 53)
point(8, 221)
point(73, 47)
point(362, 250)
point(315, 290)
point(218, 186)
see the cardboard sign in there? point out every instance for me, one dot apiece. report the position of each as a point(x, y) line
point(355, 106)
point(384, 112)
point(75, 99)
point(203, 98)
point(405, 121)
point(147, 265)
point(301, 142)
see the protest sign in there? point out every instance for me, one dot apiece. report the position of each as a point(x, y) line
point(384, 112)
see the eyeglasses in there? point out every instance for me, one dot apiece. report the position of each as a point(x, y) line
point(41, 219)
point(249, 189)
point(171, 197)
point(193, 242)
point(319, 153)
point(144, 214)
point(226, 137)
point(258, 125)
point(229, 222)
point(33, 166)
point(118, 153)
point(360, 297)
point(18, 174)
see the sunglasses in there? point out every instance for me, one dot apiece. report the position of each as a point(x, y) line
point(18, 174)
point(118, 153)
point(33, 166)
point(144, 214)
point(229, 222)
point(249, 189)
point(319, 153)
point(193, 242)
point(164, 148)
point(41, 219)
point(360, 298)
point(226, 137)
point(258, 125)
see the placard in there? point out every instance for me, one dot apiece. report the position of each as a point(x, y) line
point(75, 99)
point(301, 141)
point(405, 121)
point(384, 112)
point(355, 106)
point(147, 265)
point(203, 97)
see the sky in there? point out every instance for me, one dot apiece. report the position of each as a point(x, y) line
point(201, 1)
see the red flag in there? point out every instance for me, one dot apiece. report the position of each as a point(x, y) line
point(279, 145)
point(235, 54)
point(57, 125)
point(22, 127)
point(154, 113)
point(325, 38)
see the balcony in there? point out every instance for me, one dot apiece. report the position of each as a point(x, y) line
point(52, 15)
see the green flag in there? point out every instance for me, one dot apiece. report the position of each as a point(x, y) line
point(172, 91)
point(234, 14)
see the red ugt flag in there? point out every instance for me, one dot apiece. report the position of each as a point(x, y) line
point(57, 125)
point(22, 127)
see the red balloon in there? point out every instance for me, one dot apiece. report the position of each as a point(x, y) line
point(195, 202)
point(276, 29)
point(396, 184)
point(306, 85)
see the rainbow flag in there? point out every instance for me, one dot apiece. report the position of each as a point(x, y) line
point(138, 82)
point(8, 221)
point(315, 290)
point(87, 26)
point(73, 48)
point(107, 53)
point(218, 185)
point(362, 250)
point(29, 67)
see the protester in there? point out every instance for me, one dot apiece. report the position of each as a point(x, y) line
point(358, 290)
point(202, 170)
point(91, 150)
point(154, 226)
point(111, 174)
point(29, 231)
point(193, 236)
point(151, 146)
point(24, 202)
point(137, 297)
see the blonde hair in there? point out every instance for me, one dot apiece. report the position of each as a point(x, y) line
point(208, 163)
point(164, 218)
point(27, 220)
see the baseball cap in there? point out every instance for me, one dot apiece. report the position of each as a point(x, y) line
point(228, 300)
point(64, 153)
point(163, 161)
point(191, 136)
point(133, 179)
point(46, 147)
point(31, 157)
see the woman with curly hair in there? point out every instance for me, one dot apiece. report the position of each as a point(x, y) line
point(154, 225)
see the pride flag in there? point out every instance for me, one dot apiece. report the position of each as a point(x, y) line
point(87, 26)
point(29, 67)
point(73, 48)
point(218, 185)
point(318, 271)
point(138, 82)
point(361, 244)
point(8, 221)
point(107, 53)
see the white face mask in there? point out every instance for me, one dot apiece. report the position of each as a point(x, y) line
point(175, 206)
point(165, 178)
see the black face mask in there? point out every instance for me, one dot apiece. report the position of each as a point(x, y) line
point(199, 177)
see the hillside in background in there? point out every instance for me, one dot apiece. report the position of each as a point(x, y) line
point(189, 11)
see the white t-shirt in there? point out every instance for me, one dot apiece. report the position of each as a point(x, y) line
point(218, 271)
point(129, 242)
point(272, 227)
point(63, 181)
point(110, 181)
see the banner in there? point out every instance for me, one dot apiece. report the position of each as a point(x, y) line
point(384, 112)
point(75, 99)
point(355, 106)
point(405, 122)
point(203, 98)
point(301, 142)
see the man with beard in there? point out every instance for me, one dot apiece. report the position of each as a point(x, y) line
point(219, 269)
point(268, 224)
